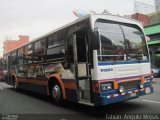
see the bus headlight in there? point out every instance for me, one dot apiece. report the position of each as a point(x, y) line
point(121, 89)
point(106, 86)
point(141, 86)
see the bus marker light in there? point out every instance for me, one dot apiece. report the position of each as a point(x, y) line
point(141, 86)
point(121, 89)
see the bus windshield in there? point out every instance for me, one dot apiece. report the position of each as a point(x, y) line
point(121, 42)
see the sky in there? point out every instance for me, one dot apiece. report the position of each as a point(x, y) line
point(38, 17)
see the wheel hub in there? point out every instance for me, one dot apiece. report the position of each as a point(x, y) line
point(56, 92)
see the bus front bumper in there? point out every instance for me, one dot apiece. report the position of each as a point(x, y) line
point(114, 96)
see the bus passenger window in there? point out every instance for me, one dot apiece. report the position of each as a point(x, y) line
point(20, 55)
point(14, 58)
point(50, 41)
point(39, 50)
point(28, 57)
point(4, 60)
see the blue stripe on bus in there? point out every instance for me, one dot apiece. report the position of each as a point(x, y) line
point(121, 62)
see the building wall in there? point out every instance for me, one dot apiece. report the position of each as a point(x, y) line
point(154, 18)
point(153, 31)
point(13, 44)
point(149, 19)
point(142, 18)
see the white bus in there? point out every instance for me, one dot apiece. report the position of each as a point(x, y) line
point(98, 59)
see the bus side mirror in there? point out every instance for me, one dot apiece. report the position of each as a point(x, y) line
point(94, 39)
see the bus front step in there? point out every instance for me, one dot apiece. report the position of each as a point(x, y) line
point(85, 94)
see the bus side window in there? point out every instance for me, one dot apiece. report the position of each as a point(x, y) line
point(20, 55)
point(14, 58)
point(70, 50)
point(54, 47)
point(28, 56)
point(4, 60)
point(39, 50)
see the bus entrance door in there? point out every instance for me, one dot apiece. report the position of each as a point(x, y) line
point(81, 67)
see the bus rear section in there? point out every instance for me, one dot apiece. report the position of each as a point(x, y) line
point(122, 65)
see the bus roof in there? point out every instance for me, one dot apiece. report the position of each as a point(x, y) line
point(93, 18)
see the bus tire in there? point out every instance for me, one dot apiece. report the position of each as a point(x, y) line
point(56, 93)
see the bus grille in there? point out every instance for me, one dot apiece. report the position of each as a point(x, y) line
point(130, 84)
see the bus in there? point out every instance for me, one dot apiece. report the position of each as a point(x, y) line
point(95, 60)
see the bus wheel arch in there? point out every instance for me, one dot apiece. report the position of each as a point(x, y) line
point(56, 89)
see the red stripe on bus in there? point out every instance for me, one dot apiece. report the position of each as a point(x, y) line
point(38, 82)
point(70, 86)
